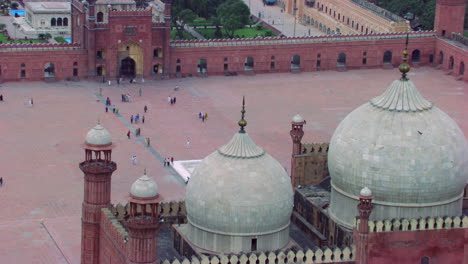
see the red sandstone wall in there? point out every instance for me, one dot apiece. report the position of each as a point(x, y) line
point(450, 15)
point(445, 51)
point(442, 246)
point(35, 61)
point(328, 51)
point(112, 247)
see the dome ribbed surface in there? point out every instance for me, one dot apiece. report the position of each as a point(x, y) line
point(241, 146)
point(402, 95)
point(144, 187)
point(98, 135)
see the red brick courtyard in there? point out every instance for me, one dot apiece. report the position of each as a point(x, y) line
point(40, 145)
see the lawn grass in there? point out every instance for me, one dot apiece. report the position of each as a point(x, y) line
point(240, 33)
point(60, 40)
point(4, 39)
point(187, 36)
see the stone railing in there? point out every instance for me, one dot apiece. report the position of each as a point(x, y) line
point(328, 255)
point(460, 38)
point(298, 40)
point(173, 212)
point(38, 46)
point(378, 10)
point(429, 223)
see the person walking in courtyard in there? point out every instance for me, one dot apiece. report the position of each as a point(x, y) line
point(1, 181)
point(188, 143)
point(143, 119)
point(165, 162)
point(128, 134)
point(107, 109)
point(172, 160)
point(145, 108)
point(174, 99)
point(139, 92)
point(169, 99)
point(131, 119)
point(134, 160)
point(206, 116)
point(203, 118)
point(148, 144)
point(1, 97)
point(137, 117)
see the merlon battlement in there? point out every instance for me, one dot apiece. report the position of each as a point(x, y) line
point(298, 40)
point(135, 12)
point(38, 46)
point(429, 223)
point(327, 255)
point(315, 148)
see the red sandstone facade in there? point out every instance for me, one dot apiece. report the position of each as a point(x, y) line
point(131, 43)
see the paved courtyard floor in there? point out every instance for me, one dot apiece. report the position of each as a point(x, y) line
point(40, 145)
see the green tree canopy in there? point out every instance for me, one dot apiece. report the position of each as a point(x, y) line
point(180, 18)
point(233, 14)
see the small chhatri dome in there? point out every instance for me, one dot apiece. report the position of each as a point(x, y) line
point(236, 194)
point(298, 119)
point(98, 135)
point(144, 187)
point(366, 192)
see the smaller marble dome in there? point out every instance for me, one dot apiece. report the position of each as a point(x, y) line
point(144, 187)
point(98, 135)
point(297, 119)
point(366, 192)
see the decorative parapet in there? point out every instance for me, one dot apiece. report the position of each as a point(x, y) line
point(460, 38)
point(134, 12)
point(113, 227)
point(11, 47)
point(173, 212)
point(327, 255)
point(315, 148)
point(298, 40)
point(429, 223)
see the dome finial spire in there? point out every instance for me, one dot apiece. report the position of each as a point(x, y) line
point(144, 172)
point(404, 67)
point(242, 123)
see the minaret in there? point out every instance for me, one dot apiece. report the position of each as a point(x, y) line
point(449, 17)
point(90, 38)
point(296, 133)
point(167, 36)
point(362, 232)
point(97, 168)
point(143, 222)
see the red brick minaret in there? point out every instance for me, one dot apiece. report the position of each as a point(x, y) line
point(97, 168)
point(143, 222)
point(362, 232)
point(167, 35)
point(449, 17)
point(90, 38)
point(296, 133)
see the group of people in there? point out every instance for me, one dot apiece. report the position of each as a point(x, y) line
point(137, 118)
point(168, 161)
point(171, 100)
point(203, 116)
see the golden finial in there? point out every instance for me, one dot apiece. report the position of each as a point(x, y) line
point(404, 67)
point(144, 171)
point(242, 123)
point(99, 121)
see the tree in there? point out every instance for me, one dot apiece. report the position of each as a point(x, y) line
point(180, 19)
point(234, 14)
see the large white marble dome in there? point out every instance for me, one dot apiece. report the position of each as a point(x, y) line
point(411, 155)
point(98, 135)
point(237, 197)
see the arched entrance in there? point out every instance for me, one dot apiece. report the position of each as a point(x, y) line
point(415, 56)
point(130, 58)
point(387, 57)
point(462, 69)
point(49, 70)
point(451, 63)
point(127, 67)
